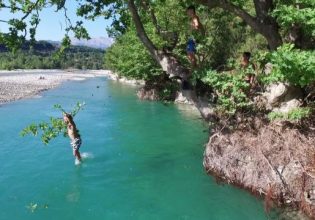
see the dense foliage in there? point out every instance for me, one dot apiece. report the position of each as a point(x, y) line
point(129, 58)
point(230, 88)
point(290, 65)
point(296, 14)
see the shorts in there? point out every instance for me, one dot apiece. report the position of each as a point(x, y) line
point(191, 46)
point(76, 143)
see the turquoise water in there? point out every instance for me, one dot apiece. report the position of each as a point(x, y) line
point(144, 162)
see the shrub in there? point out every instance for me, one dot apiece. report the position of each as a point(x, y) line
point(290, 65)
point(294, 115)
point(231, 89)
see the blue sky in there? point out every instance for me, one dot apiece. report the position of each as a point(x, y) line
point(52, 25)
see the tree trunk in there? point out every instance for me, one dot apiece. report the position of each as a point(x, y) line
point(263, 23)
point(168, 62)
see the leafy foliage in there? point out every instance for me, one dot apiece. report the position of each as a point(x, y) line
point(129, 58)
point(26, 18)
point(290, 65)
point(294, 115)
point(300, 13)
point(231, 89)
point(52, 128)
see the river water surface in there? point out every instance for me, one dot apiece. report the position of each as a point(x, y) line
point(144, 161)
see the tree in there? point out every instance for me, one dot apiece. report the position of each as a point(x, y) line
point(168, 62)
point(274, 20)
point(262, 23)
point(293, 18)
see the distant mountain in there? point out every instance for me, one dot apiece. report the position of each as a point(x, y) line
point(51, 46)
point(44, 46)
point(99, 42)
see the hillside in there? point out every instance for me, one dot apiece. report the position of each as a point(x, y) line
point(41, 56)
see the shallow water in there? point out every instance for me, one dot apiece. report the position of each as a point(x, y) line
point(143, 160)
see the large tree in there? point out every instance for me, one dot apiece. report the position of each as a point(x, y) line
point(262, 22)
point(295, 19)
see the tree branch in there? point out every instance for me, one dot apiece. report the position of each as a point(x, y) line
point(147, 7)
point(263, 23)
point(168, 62)
point(166, 35)
point(262, 8)
point(225, 4)
point(29, 11)
point(141, 31)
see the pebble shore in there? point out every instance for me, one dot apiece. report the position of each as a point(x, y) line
point(18, 84)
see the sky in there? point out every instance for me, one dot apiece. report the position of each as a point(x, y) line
point(52, 25)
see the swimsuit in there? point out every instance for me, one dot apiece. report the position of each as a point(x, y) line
point(76, 143)
point(191, 46)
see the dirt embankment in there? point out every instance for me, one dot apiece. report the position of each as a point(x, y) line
point(274, 160)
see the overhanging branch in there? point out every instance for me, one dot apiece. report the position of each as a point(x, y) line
point(227, 5)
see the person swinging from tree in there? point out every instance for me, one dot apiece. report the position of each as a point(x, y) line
point(197, 30)
point(74, 136)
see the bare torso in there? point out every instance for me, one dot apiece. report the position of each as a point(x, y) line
point(72, 131)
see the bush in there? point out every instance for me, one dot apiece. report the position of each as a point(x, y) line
point(290, 65)
point(294, 115)
point(128, 57)
point(231, 89)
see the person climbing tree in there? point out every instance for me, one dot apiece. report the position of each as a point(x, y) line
point(196, 31)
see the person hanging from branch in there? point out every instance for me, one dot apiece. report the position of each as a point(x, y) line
point(74, 136)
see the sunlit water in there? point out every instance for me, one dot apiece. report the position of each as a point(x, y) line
point(143, 160)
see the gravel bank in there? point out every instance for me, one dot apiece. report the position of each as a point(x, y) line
point(18, 84)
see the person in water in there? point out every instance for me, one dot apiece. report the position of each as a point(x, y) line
point(196, 29)
point(74, 136)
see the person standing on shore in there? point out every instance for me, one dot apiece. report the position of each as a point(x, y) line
point(74, 136)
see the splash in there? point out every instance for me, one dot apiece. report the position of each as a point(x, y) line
point(77, 162)
point(87, 155)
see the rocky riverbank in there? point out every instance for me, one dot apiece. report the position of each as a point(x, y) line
point(273, 160)
point(18, 84)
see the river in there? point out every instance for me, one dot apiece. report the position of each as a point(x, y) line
point(144, 161)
